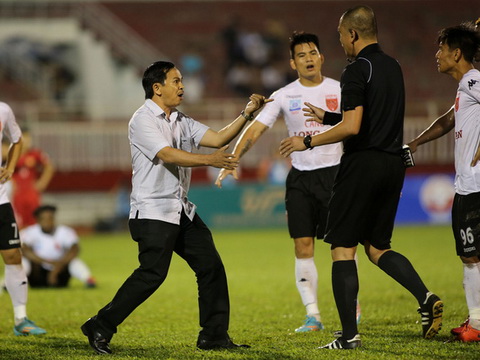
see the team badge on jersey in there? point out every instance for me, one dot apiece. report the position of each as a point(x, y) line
point(332, 102)
point(295, 105)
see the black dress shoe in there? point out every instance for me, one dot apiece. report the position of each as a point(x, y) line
point(97, 341)
point(225, 343)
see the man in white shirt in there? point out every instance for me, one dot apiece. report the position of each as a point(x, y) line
point(15, 276)
point(51, 252)
point(162, 220)
point(310, 180)
point(458, 49)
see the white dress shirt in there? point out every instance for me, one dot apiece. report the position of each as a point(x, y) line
point(159, 190)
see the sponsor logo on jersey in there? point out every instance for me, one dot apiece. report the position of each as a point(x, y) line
point(14, 241)
point(295, 105)
point(310, 124)
point(471, 83)
point(332, 102)
point(307, 132)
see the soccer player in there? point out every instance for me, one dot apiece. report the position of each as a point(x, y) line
point(459, 46)
point(368, 184)
point(33, 173)
point(51, 252)
point(162, 220)
point(15, 277)
point(310, 180)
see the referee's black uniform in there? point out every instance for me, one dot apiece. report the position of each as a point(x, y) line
point(369, 182)
point(371, 171)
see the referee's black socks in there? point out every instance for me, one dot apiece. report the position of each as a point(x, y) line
point(345, 291)
point(400, 269)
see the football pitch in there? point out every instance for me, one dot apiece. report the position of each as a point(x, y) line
point(265, 305)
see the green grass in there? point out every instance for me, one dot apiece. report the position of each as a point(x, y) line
point(265, 305)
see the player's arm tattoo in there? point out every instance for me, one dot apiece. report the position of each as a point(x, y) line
point(249, 143)
point(246, 147)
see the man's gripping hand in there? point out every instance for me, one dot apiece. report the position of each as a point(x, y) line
point(221, 159)
point(291, 144)
point(255, 103)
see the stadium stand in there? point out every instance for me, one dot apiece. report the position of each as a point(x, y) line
point(108, 44)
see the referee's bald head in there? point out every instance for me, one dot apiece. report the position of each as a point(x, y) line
point(361, 19)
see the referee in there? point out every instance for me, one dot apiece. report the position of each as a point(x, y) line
point(162, 220)
point(368, 185)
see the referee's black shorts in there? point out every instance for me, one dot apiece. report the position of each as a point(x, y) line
point(306, 200)
point(466, 224)
point(365, 199)
point(9, 237)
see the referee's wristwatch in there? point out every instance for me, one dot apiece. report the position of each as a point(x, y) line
point(307, 141)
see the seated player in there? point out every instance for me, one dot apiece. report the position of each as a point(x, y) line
point(51, 252)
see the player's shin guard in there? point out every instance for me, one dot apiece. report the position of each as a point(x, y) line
point(471, 284)
point(306, 277)
point(345, 291)
point(17, 287)
point(401, 270)
point(79, 270)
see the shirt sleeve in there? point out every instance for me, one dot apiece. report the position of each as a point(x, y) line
point(332, 118)
point(70, 237)
point(353, 85)
point(145, 135)
point(472, 87)
point(12, 130)
point(25, 236)
point(197, 130)
point(271, 111)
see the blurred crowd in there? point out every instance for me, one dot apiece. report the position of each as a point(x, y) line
point(255, 60)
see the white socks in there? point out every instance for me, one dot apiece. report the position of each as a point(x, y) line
point(17, 286)
point(306, 279)
point(471, 284)
point(79, 270)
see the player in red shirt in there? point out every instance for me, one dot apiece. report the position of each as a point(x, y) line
point(33, 173)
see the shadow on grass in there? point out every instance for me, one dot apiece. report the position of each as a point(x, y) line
point(56, 347)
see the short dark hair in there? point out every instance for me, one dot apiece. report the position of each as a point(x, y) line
point(155, 73)
point(38, 211)
point(361, 19)
point(300, 37)
point(464, 37)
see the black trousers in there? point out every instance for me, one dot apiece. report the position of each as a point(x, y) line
point(157, 240)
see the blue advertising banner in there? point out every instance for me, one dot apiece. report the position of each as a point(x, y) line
point(425, 199)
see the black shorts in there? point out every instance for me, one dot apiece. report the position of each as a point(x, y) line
point(306, 201)
point(38, 277)
point(9, 237)
point(466, 224)
point(365, 199)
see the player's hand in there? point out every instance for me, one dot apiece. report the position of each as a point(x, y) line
point(291, 144)
point(52, 278)
point(5, 175)
point(221, 159)
point(313, 113)
point(255, 103)
point(223, 174)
